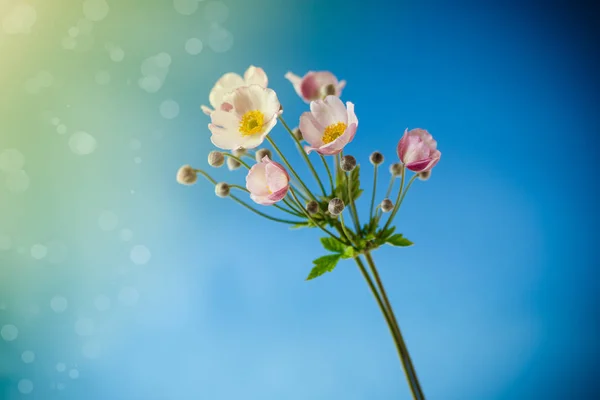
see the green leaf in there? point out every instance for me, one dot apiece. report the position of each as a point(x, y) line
point(323, 264)
point(333, 245)
point(399, 240)
point(348, 253)
point(300, 225)
point(387, 233)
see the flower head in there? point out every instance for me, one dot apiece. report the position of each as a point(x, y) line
point(376, 158)
point(262, 153)
point(336, 206)
point(187, 175)
point(216, 159)
point(268, 182)
point(386, 205)
point(329, 126)
point(312, 207)
point(316, 85)
point(222, 189)
point(253, 114)
point(396, 169)
point(418, 150)
point(233, 164)
point(230, 82)
point(347, 163)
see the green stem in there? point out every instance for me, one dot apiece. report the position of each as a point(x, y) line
point(292, 212)
point(343, 224)
point(328, 172)
point(390, 187)
point(414, 382)
point(353, 211)
point(291, 168)
point(374, 191)
point(293, 206)
point(301, 150)
point(401, 353)
point(399, 199)
point(237, 159)
point(292, 191)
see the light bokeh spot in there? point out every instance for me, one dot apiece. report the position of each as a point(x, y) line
point(82, 143)
point(74, 374)
point(61, 129)
point(61, 367)
point(19, 19)
point(17, 182)
point(140, 254)
point(102, 77)
point(193, 46)
point(39, 251)
point(11, 160)
point(220, 39)
point(25, 386)
point(186, 7)
point(59, 304)
point(95, 10)
point(9, 332)
point(28, 356)
point(169, 109)
point(216, 11)
point(126, 235)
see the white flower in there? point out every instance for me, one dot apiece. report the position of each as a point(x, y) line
point(231, 81)
point(252, 115)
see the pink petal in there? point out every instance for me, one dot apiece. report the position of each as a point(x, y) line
point(337, 109)
point(277, 177)
point(312, 132)
point(338, 144)
point(323, 113)
point(256, 180)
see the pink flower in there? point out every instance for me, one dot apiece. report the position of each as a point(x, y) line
point(329, 126)
point(316, 85)
point(418, 150)
point(231, 81)
point(268, 182)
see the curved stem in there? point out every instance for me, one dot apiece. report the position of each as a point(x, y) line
point(292, 191)
point(353, 211)
point(374, 191)
point(292, 206)
point(411, 369)
point(290, 167)
point(292, 212)
point(301, 150)
point(401, 195)
point(401, 353)
point(328, 172)
point(343, 225)
point(390, 187)
point(249, 207)
point(237, 159)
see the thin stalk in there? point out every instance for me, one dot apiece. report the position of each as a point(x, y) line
point(402, 343)
point(301, 150)
point(343, 224)
point(291, 168)
point(390, 187)
point(374, 190)
point(249, 207)
point(292, 191)
point(328, 172)
point(237, 159)
point(353, 211)
point(292, 212)
point(401, 195)
point(401, 353)
point(292, 206)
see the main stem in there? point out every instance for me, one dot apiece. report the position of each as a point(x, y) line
point(413, 380)
point(402, 354)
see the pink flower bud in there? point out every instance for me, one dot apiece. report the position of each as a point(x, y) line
point(268, 182)
point(418, 150)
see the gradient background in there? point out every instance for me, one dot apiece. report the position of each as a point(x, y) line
point(173, 293)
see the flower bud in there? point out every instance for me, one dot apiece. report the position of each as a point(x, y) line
point(239, 152)
point(222, 189)
point(418, 150)
point(187, 175)
point(312, 207)
point(376, 158)
point(336, 206)
point(297, 133)
point(386, 205)
point(396, 169)
point(347, 163)
point(262, 153)
point(233, 164)
point(328, 90)
point(424, 175)
point(216, 159)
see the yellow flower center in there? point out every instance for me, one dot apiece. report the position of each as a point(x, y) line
point(252, 123)
point(333, 132)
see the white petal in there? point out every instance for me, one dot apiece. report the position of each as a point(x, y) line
point(311, 131)
point(352, 119)
point(206, 110)
point(225, 119)
point(322, 113)
point(227, 83)
point(223, 138)
point(256, 76)
point(253, 141)
point(337, 109)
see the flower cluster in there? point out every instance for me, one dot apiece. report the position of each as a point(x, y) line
point(243, 113)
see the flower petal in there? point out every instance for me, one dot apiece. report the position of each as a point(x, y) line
point(323, 113)
point(256, 180)
point(256, 76)
point(206, 110)
point(312, 132)
point(337, 108)
point(338, 144)
point(277, 177)
point(227, 83)
point(253, 97)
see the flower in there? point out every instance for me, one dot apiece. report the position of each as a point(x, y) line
point(386, 205)
point(268, 182)
point(418, 150)
point(216, 159)
point(186, 175)
point(316, 85)
point(348, 163)
point(253, 114)
point(222, 189)
point(329, 126)
point(376, 158)
point(231, 81)
point(335, 206)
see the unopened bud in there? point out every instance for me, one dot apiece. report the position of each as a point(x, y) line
point(216, 159)
point(347, 163)
point(336, 206)
point(297, 133)
point(187, 175)
point(387, 205)
point(233, 164)
point(328, 90)
point(262, 153)
point(239, 152)
point(312, 207)
point(396, 169)
point(424, 175)
point(222, 189)
point(376, 158)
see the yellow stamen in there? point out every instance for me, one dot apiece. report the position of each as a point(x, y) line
point(252, 123)
point(333, 132)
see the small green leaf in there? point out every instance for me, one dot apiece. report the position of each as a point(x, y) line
point(333, 245)
point(323, 264)
point(387, 233)
point(348, 253)
point(399, 240)
point(299, 226)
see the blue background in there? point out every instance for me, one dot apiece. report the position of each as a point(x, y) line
point(498, 297)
